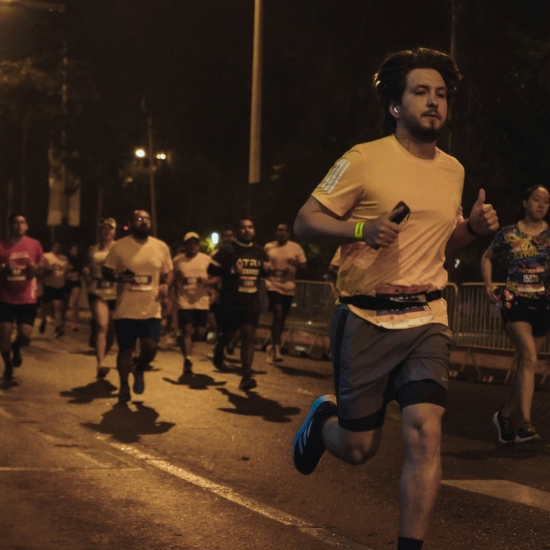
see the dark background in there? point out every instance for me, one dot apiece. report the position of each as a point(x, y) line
point(191, 61)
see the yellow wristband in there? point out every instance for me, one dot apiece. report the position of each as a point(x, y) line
point(359, 231)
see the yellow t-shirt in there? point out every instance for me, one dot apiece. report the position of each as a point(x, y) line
point(281, 276)
point(139, 298)
point(367, 182)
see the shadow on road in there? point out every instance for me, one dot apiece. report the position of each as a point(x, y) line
point(195, 381)
point(127, 425)
point(253, 404)
point(291, 371)
point(99, 389)
point(8, 384)
point(522, 451)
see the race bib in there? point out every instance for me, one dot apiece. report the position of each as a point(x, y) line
point(189, 283)
point(141, 283)
point(527, 282)
point(248, 284)
point(16, 274)
point(279, 273)
point(395, 319)
point(104, 285)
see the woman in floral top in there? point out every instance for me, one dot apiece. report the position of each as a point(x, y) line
point(525, 307)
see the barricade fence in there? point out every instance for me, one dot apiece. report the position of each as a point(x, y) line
point(474, 320)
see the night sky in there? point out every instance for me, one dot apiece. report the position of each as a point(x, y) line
point(191, 61)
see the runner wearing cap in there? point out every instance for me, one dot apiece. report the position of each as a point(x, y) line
point(19, 259)
point(192, 284)
point(142, 266)
point(101, 293)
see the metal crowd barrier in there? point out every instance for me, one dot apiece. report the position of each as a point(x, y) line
point(474, 320)
point(478, 326)
point(310, 313)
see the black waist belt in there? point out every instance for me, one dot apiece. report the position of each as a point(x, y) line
point(399, 301)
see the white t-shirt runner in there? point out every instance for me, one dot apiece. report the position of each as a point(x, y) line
point(139, 298)
point(281, 277)
point(192, 293)
point(98, 285)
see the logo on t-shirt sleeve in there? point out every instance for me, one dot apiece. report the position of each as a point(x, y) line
point(334, 176)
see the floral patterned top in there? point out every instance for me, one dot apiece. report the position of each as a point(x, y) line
point(528, 258)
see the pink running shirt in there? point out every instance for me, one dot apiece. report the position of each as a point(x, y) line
point(15, 286)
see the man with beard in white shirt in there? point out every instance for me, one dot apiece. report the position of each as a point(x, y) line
point(142, 267)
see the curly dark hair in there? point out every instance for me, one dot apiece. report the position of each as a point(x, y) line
point(391, 78)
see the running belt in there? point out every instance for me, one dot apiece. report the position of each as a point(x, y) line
point(391, 301)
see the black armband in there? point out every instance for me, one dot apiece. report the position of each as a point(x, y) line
point(471, 230)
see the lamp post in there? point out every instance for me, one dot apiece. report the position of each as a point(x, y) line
point(256, 105)
point(150, 152)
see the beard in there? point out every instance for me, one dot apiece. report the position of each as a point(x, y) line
point(140, 232)
point(425, 134)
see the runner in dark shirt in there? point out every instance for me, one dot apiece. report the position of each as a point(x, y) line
point(240, 264)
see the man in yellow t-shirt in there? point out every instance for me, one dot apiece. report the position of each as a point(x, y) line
point(142, 267)
point(285, 258)
point(389, 334)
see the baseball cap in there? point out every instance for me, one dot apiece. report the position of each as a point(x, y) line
point(191, 235)
point(107, 221)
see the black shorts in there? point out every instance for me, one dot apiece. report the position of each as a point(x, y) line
point(22, 314)
point(282, 299)
point(230, 321)
point(535, 311)
point(51, 294)
point(195, 317)
point(93, 297)
point(69, 285)
point(128, 331)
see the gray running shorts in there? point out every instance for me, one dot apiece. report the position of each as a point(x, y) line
point(374, 365)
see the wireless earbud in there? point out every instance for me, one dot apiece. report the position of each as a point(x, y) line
point(395, 110)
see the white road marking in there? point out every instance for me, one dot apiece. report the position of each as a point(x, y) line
point(506, 490)
point(250, 504)
point(69, 469)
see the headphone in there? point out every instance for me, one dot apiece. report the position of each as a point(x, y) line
point(395, 110)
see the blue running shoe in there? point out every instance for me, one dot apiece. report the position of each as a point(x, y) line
point(139, 382)
point(308, 446)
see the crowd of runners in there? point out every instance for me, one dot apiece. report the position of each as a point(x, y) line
point(136, 288)
point(394, 205)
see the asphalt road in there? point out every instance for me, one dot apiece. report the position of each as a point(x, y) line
point(194, 463)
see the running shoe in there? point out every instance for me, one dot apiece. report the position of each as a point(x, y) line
point(187, 367)
point(124, 394)
point(504, 428)
point(247, 383)
point(308, 446)
point(8, 372)
point(277, 357)
point(16, 359)
point(139, 382)
point(218, 358)
point(526, 433)
point(102, 372)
